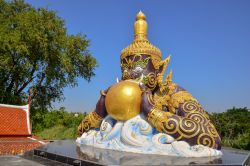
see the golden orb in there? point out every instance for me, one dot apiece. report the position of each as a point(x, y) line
point(123, 100)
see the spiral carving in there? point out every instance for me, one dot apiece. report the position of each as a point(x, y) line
point(190, 106)
point(188, 128)
point(86, 126)
point(151, 80)
point(211, 130)
point(195, 126)
point(197, 116)
point(171, 125)
point(206, 140)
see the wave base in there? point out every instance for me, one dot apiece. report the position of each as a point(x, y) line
point(138, 136)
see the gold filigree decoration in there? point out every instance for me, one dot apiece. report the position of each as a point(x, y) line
point(206, 139)
point(166, 88)
point(141, 44)
point(134, 61)
point(144, 48)
point(171, 125)
point(151, 83)
point(197, 116)
point(163, 64)
point(212, 131)
point(170, 86)
point(160, 99)
point(184, 127)
point(189, 128)
point(92, 120)
point(129, 61)
point(179, 98)
point(191, 105)
point(149, 80)
point(157, 116)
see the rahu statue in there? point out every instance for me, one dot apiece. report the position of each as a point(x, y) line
point(145, 113)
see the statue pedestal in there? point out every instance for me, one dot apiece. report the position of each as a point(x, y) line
point(68, 152)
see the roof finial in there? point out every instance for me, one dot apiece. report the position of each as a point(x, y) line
point(140, 16)
point(140, 27)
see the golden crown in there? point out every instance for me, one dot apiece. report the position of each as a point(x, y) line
point(141, 44)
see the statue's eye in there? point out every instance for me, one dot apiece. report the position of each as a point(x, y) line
point(138, 69)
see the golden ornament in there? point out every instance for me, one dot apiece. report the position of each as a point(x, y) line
point(141, 44)
point(123, 100)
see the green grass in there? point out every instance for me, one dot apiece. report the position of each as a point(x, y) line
point(242, 141)
point(59, 132)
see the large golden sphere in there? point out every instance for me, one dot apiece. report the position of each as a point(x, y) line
point(123, 100)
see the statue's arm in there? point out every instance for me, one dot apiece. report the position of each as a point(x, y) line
point(193, 127)
point(94, 119)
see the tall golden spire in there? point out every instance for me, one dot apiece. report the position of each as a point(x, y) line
point(141, 44)
point(140, 27)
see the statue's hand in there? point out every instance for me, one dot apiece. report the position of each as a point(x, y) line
point(147, 102)
point(91, 121)
point(154, 116)
point(82, 128)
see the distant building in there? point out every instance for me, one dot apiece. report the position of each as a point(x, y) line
point(16, 130)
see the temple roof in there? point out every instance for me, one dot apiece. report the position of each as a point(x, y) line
point(14, 120)
point(15, 131)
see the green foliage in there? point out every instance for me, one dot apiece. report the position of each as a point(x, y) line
point(46, 120)
point(36, 52)
point(242, 141)
point(58, 132)
point(234, 127)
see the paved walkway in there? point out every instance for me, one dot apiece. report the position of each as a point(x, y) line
point(16, 161)
point(27, 160)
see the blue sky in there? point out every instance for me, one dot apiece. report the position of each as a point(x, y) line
point(209, 43)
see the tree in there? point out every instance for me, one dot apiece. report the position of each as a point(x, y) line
point(234, 127)
point(36, 52)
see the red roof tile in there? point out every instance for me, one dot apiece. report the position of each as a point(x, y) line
point(13, 121)
point(14, 148)
point(18, 145)
point(15, 130)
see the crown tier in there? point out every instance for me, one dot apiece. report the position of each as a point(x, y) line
point(141, 44)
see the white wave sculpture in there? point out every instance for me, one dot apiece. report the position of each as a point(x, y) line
point(138, 136)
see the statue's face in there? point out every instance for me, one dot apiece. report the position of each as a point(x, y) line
point(139, 68)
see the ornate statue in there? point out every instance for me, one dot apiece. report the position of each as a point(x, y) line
point(167, 107)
